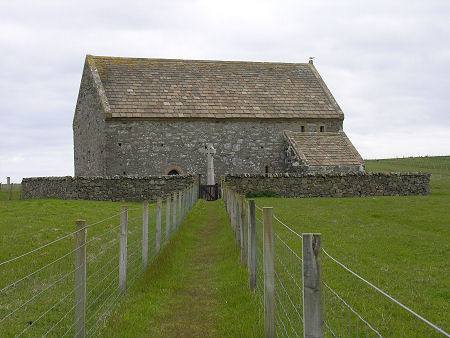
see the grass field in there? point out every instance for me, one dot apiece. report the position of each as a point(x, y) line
point(401, 244)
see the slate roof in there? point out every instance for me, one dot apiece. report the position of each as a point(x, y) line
point(160, 88)
point(323, 149)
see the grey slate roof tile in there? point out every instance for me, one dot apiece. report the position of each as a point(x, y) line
point(217, 89)
point(324, 149)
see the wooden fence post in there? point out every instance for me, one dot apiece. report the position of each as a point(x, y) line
point(251, 245)
point(269, 274)
point(80, 279)
point(237, 219)
point(123, 248)
point(174, 215)
point(312, 280)
point(9, 187)
point(180, 217)
point(243, 232)
point(167, 217)
point(184, 203)
point(158, 225)
point(181, 206)
point(144, 235)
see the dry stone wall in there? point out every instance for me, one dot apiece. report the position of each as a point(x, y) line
point(105, 188)
point(329, 185)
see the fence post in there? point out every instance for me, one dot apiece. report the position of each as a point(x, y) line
point(174, 215)
point(9, 187)
point(243, 232)
point(158, 225)
point(251, 245)
point(80, 279)
point(312, 280)
point(269, 274)
point(184, 202)
point(123, 248)
point(181, 206)
point(144, 235)
point(237, 220)
point(167, 217)
point(180, 216)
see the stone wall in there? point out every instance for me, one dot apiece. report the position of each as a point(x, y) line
point(89, 128)
point(150, 147)
point(345, 185)
point(104, 188)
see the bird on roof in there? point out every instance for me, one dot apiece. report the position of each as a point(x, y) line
point(311, 57)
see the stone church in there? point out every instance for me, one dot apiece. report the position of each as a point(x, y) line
point(140, 117)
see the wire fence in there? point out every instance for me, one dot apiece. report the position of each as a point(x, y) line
point(12, 191)
point(50, 300)
point(337, 317)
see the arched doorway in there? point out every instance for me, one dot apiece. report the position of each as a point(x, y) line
point(174, 170)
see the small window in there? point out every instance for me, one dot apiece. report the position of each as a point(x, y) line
point(302, 129)
point(124, 173)
point(120, 144)
point(173, 172)
point(266, 169)
point(322, 129)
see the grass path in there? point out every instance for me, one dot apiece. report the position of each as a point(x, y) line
point(196, 288)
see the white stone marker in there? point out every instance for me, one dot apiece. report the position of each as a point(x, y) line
point(209, 151)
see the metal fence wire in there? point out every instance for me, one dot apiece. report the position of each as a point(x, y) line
point(38, 289)
point(339, 318)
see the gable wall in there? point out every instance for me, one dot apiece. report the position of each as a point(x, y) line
point(150, 147)
point(88, 129)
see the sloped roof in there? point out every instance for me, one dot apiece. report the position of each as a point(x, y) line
point(159, 88)
point(323, 149)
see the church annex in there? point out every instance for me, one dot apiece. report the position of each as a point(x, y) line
point(142, 117)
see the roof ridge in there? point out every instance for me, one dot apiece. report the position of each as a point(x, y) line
point(195, 60)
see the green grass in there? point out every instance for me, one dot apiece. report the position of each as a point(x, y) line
point(401, 244)
point(40, 300)
point(16, 192)
point(196, 287)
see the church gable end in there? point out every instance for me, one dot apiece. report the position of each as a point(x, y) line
point(89, 127)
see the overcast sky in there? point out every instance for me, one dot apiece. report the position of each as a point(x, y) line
point(386, 62)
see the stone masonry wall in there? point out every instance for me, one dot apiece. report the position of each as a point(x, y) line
point(151, 147)
point(88, 129)
point(344, 185)
point(104, 188)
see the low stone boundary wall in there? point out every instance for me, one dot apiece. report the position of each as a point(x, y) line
point(329, 185)
point(104, 188)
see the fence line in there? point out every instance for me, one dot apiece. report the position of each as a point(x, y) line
point(12, 189)
point(338, 317)
point(74, 293)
